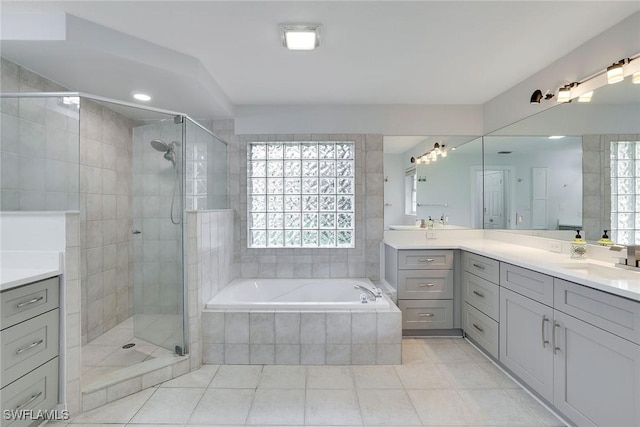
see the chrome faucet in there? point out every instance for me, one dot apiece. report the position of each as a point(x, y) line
point(373, 294)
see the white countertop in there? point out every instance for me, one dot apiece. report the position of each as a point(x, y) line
point(20, 268)
point(626, 283)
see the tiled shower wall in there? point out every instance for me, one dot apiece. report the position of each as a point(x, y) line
point(596, 178)
point(361, 261)
point(105, 218)
point(39, 146)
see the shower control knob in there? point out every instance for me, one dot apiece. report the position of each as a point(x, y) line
point(136, 232)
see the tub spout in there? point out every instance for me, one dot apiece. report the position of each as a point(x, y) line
point(373, 294)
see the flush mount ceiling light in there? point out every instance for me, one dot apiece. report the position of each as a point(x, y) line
point(300, 36)
point(140, 96)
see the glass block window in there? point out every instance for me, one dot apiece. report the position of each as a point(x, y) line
point(301, 194)
point(625, 192)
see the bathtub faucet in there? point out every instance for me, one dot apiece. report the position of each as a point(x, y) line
point(373, 294)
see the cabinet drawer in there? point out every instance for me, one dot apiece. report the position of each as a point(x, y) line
point(425, 259)
point(421, 314)
point(481, 328)
point(487, 268)
point(612, 313)
point(28, 345)
point(38, 390)
point(425, 284)
point(28, 301)
point(481, 294)
point(532, 284)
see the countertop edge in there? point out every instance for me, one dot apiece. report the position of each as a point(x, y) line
point(42, 275)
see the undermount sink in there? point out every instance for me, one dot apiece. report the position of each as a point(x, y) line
point(600, 271)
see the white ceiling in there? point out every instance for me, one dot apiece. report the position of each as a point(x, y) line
point(372, 52)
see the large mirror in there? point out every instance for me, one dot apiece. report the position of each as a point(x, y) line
point(588, 179)
point(447, 190)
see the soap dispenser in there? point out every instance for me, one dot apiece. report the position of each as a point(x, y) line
point(605, 240)
point(430, 224)
point(578, 246)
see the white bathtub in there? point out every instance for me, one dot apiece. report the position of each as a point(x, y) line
point(295, 294)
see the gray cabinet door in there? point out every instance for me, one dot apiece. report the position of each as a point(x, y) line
point(525, 341)
point(597, 375)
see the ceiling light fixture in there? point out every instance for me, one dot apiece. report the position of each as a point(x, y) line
point(537, 96)
point(636, 78)
point(300, 36)
point(556, 137)
point(140, 96)
point(564, 93)
point(615, 72)
point(431, 155)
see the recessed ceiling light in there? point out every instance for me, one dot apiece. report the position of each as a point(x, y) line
point(556, 137)
point(300, 36)
point(141, 96)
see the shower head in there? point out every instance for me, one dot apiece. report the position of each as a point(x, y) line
point(160, 145)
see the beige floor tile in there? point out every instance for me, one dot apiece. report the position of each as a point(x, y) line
point(330, 377)
point(543, 414)
point(169, 405)
point(277, 407)
point(475, 354)
point(221, 406)
point(498, 408)
point(467, 375)
point(387, 407)
point(283, 377)
point(376, 377)
point(445, 352)
point(500, 377)
point(444, 407)
point(92, 355)
point(119, 411)
point(332, 408)
point(237, 376)
point(200, 378)
point(422, 376)
point(414, 353)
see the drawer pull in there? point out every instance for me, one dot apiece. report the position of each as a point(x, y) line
point(425, 315)
point(422, 285)
point(31, 399)
point(478, 327)
point(33, 301)
point(33, 344)
point(480, 294)
point(480, 266)
point(544, 341)
point(426, 260)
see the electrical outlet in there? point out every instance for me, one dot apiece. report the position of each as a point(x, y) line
point(555, 247)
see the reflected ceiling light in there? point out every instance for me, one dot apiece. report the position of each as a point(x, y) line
point(300, 36)
point(556, 137)
point(564, 93)
point(615, 72)
point(636, 78)
point(140, 96)
point(585, 97)
point(431, 155)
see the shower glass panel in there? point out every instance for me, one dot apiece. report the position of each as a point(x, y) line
point(39, 153)
point(206, 169)
point(157, 233)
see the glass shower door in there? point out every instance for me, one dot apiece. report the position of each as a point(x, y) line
point(158, 234)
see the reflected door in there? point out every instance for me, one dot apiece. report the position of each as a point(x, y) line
point(494, 199)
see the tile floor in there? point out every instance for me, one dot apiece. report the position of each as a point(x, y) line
point(443, 381)
point(105, 354)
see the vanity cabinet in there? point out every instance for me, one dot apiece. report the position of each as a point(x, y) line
point(480, 310)
point(424, 281)
point(29, 337)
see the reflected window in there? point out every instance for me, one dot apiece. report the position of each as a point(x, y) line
point(625, 192)
point(301, 194)
point(410, 192)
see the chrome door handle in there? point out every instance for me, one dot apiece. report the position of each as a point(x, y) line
point(480, 266)
point(425, 315)
point(478, 327)
point(422, 285)
point(31, 399)
point(32, 301)
point(425, 260)
point(29, 347)
point(481, 295)
point(544, 341)
point(553, 337)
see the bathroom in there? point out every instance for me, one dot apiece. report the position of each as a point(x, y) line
point(215, 235)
